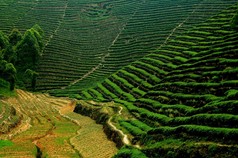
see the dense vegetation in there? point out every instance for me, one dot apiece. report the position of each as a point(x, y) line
point(171, 66)
point(19, 56)
point(182, 96)
point(100, 36)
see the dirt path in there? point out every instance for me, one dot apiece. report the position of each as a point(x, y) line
point(125, 139)
point(50, 128)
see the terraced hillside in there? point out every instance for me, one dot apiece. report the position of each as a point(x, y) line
point(162, 76)
point(183, 96)
point(8, 118)
point(135, 80)
point(49, 128)
point(146, 30)
point(88, 40)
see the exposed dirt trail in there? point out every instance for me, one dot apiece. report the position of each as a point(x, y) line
point(125, 138)
point(50, 128)
point(59, 24)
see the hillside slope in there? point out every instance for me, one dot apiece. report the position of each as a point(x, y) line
point(88, 40)
point(48, 127)
point(175, 92)
point(182, 97)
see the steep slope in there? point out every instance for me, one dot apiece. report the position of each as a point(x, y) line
point(182, 97)
point(134, 80)
point(88, 40)
point(50, 128)
point(145, 31)
point(8, 118)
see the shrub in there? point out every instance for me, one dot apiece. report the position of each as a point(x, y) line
point(129, 152)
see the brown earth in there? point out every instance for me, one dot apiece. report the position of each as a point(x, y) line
point(50, 128)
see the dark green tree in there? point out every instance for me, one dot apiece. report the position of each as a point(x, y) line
point(14, 37)
point(11, 73)
point(33, 75)
point(9, 54)
point(30, 48)
point(23, 52)
point(39, 34)
point(4, 42)
point(8, 73)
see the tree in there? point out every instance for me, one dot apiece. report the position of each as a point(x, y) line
point(23, 52)
point(9, 54)
point(8, 72)
point(11, 73)
point(3, 40)
point(30, 48)
point(14, 37)
point(39, 34)
point(33, 75)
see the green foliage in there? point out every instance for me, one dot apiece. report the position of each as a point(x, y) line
point(87, 95)
point(117, 89)
point(17, 54)
point(9, 54)
point(32, 74)
point(5, 89)
point(129, 152)
point(10, 69)
point(167, 143)
point(99, 96)
point(141, 125)
point(4, 83)
point(232, 94)
point(134, 130)
point(8, 72)
point(4, 143)
point(181, 59)
point(14, 37)
point(30, 48)
point(234, 21)
point(4, 41)
point(211, 133)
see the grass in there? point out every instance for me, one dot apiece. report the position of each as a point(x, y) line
point(5, 89)
point(130, 152)
point(5, 92)
point(4, 143)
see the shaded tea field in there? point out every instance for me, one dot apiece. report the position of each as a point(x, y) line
point(48, 127)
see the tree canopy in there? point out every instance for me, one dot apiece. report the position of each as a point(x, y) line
point(4, 41)
point(19, 54)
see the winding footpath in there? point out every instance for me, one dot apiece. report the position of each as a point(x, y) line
point(125, 138)
point(50, 128)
